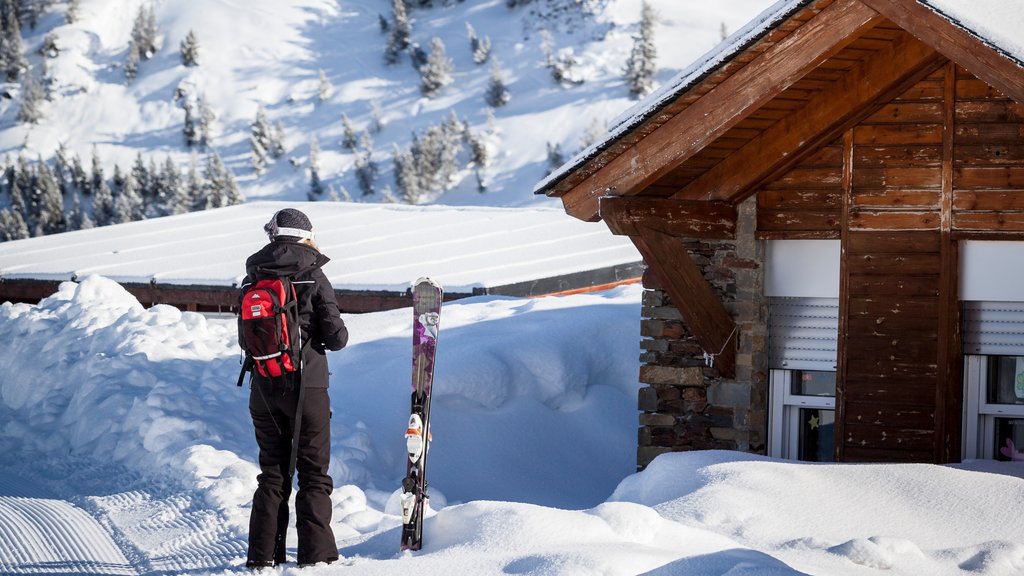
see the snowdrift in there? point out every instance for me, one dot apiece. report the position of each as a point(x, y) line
point(126, 449)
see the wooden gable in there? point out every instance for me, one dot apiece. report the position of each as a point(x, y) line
point(876, 122)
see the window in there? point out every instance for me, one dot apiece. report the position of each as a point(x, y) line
point(994, 407)
point(802, 415)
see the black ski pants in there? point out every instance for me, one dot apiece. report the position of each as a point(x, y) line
point(273, 416)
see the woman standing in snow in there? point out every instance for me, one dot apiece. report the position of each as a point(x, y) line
point(274, 403)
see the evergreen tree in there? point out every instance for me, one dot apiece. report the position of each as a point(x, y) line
point(141, 174)
point(145, 32)
point(376, 117)
point(206, 118)
point(71, 16)
point(437, 72)
point(191, 130)
point(497, 93)
point(49, 48)
point(78, 219)
point(195, 190)
point(555, 157)
point(189, 49)
point(277, 149)
point(12, 225)
point(259, 141)
point(118, 179)
point(47, 202)
point(128, 207)
point(366, 167)
point(62, 170)
point(406, 178)
point(31, 100)
point(221, 188)
point(96, 176)
point(316, 186)
point(481, 49)
point(79, 176)
point(102, 205)
point(324, 88)
point(640, 67)
point(174, 195)
point(131, 63)
point(401, 32)
point(349, 139)
point(12, 50)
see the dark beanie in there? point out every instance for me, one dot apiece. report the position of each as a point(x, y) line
point(289, 222)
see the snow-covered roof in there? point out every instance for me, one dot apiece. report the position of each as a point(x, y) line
point(682, 82)
point(995, 23)
point(374, 247)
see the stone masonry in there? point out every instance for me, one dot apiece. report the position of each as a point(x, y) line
point(685, 404)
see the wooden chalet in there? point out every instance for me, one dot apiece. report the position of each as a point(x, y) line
point(831, 209)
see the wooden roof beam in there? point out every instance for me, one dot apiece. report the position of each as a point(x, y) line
point(854, 97)
point(681, 218)
point(702, 310)
point(956, 43)
point(720, 109)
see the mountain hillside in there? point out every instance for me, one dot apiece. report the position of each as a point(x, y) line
point(298, 68)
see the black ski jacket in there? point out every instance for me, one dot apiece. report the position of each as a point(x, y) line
point(319, 317)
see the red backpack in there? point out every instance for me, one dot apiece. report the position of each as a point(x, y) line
point(269, 327)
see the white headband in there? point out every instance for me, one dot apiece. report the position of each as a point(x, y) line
point(297, 232)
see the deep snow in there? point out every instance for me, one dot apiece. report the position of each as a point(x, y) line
point(126, 449)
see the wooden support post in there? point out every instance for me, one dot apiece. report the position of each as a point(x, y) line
point(700, 306)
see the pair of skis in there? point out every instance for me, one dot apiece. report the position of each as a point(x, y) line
point(426, 315)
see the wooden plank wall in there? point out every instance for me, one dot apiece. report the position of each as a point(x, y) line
point(942, 162)
point(988, 162)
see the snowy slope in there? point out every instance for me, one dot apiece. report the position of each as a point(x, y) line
point(270, 53)
point(126, 449)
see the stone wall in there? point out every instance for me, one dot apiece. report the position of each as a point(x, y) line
point(685, 404)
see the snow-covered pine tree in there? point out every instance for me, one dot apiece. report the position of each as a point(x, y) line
point(145, 32)
point(481, 49)
point(79, 176)
point(31, 99)
point(437, 72)
point(206, 118)
point(12, 225)
point(191, 129)
point(316, 186)
point(376, 117)
point(128, 206)
point(62, 169)
point(49, 48)
point(71, 14)
point(401, 32)
point(102, 205)
point(12, 49)
point(640, 67)
point(174, 196)
point(259, 141)
point(324, 87)
point(277, 149)
point(366, 167)
point(406, 177)
point(497, 94)
point(118, 179)
point(131, 63)
point(194, 188)
point(78, 219)
point(96, 171)
point(348, 137)
point(221, 188)
point(555, 157)
point(48, 202)
point(189, 49)
point(141, 173)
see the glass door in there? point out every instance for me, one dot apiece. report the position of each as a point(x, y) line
point(802, 415)
point(994, 407)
